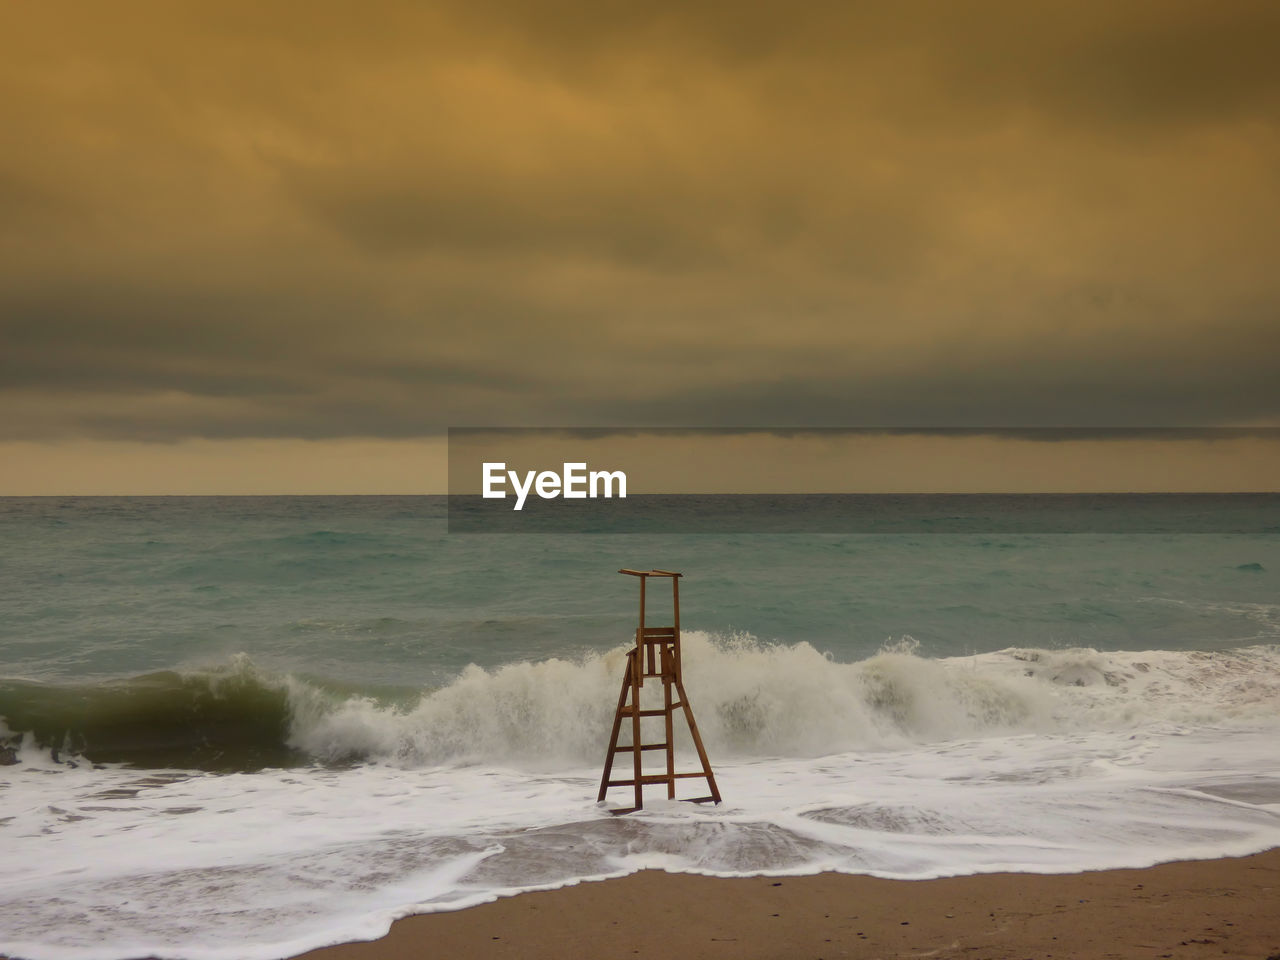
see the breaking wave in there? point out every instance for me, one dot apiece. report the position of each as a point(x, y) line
point(751, 699)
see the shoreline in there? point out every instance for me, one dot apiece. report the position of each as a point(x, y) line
point(1182, 909)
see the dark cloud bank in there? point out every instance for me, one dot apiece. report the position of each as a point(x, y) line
point(230, 221)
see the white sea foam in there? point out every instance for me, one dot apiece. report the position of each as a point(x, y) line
point(757, 699)
point(898, 766)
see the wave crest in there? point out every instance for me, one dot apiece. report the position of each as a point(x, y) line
point(762, 699)
point(751, 699)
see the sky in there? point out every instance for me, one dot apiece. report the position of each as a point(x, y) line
point(282, 247)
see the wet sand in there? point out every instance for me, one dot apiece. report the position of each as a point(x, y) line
point(1192, 909)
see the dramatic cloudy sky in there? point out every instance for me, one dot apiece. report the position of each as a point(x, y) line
point(243, 236)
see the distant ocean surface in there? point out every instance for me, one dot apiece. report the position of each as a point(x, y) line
point(245, 727)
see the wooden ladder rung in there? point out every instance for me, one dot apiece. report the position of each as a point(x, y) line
point(628, 711)
point(656, 778)
point(652, 778)
point(643, 746)
point(698, 800)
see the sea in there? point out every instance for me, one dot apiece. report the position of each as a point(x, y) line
point(243, 727)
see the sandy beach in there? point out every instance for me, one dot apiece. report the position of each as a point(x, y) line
point(1190, 909)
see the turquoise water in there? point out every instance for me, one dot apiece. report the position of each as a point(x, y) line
point(372, 596)
point(373, 590)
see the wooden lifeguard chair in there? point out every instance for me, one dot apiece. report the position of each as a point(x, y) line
point(656, 654)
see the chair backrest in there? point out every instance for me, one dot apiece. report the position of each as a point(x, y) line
point(650, 661)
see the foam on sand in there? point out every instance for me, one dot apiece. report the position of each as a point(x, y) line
point(897, 766)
